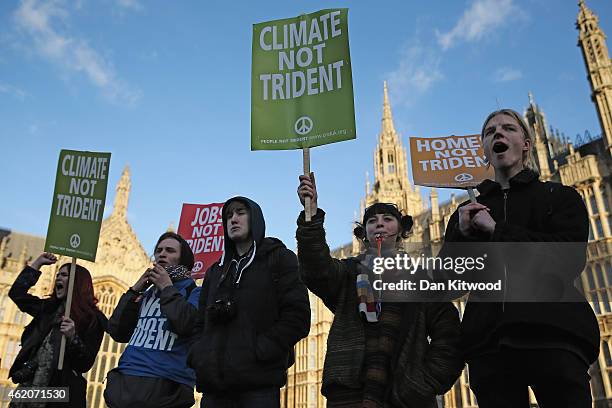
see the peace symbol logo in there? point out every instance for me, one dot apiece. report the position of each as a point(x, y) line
point(463, 177)
point(197, 267)
point(75, 240)
point(303, 125)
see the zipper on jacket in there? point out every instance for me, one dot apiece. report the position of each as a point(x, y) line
point(505, 270)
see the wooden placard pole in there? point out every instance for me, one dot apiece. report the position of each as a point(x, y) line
point(307, 212)
point(60, 363)
point(471, 194)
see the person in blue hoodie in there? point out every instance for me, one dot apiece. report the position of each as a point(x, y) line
point(253, 309)
point(156, 317)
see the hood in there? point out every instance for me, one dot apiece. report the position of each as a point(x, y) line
point(257, 226)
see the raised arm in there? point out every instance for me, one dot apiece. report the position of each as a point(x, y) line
point(28, 277)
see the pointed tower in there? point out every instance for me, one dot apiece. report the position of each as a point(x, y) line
point(542, 144)
point(122, 195)
point(391, 184)
point(592, 42)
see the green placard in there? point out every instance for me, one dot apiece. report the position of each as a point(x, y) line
point(301, 85)
point(78, 204)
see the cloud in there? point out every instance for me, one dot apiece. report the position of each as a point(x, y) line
point(481, 18)
point(506, 74)
point(130, 4)
point(13, 90)
point(418, 70)
point(42, 22)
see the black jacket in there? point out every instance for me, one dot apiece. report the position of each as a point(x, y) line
point(426, 360)
point(554, 219)
point(251, 350)
point(79, 357)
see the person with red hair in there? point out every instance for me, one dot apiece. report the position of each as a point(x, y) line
point(37, 361)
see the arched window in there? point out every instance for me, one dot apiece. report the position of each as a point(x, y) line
point(391, 163)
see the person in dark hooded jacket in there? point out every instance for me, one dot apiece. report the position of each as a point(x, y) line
point(253, 309)
point(541, 333)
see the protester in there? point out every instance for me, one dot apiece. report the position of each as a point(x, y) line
point(156, 322)
point(379, 354)
point(509, 344)
point(253, 310)
point(37, 361)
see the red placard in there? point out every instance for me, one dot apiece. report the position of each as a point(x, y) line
point(202, 228)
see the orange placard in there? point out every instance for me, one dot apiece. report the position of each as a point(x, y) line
point(450, 161)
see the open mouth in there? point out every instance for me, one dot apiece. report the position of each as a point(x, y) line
point(59, 286)
point(499, 147)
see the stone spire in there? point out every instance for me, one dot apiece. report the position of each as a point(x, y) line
point(388, 129)
point(391, 184)
point(122, 194)
point(542, 143)
point(592, 42)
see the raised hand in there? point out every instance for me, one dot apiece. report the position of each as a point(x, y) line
point(143, 282)
point(159, 277)
point(67, 328)
point(46, 258)
point(475, 217)
point(308, 188)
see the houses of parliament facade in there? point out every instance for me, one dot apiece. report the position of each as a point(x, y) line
point(585, 165)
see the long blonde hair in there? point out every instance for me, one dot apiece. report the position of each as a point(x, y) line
point(528, 158)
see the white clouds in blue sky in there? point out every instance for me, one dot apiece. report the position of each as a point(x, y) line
point(419, 66)
point(130, 4)
point(417, 71)
point(506, 74)
point(12, 90)
point(479, 19)
point(44, 26)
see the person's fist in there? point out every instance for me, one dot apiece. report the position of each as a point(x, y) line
point(466, 216)
point(308, 188)
point(159, 277)
point(46, 258)
point(67, 328)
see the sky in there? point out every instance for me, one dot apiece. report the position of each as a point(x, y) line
point(166, 89)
